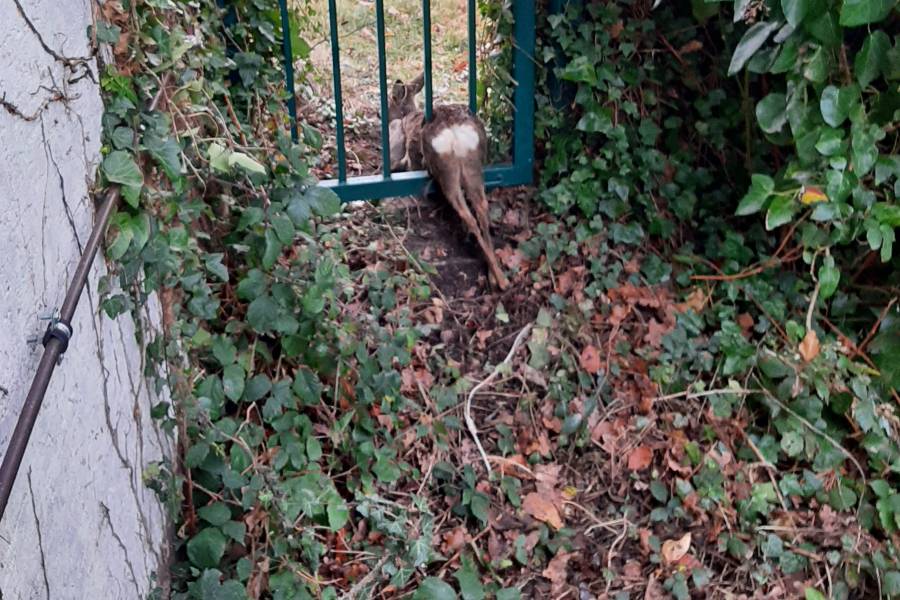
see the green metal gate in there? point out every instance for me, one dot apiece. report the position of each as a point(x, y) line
point(387, 184)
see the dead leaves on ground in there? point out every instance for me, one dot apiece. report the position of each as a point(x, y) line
point(590, 359)
point(674, 550)
point(542, 509)
point(640, 458)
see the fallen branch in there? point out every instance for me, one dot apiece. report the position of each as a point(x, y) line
point(468, 408)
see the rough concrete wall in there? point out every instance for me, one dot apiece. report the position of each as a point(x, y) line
point(80, 523)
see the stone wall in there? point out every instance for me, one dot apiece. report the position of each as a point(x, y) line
point(80, 523)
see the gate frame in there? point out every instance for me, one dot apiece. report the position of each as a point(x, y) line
point(409, 183)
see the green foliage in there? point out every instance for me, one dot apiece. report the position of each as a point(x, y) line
point(224, 222)
point(793, 118)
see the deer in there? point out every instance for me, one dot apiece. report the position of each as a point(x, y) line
point(452, 147)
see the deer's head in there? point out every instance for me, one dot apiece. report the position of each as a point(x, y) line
point(403, 97)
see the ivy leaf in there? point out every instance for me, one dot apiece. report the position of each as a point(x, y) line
point(871, 58)
point(862, 12)
point(781, 210)
point(829, 276)
point(262, 314)
point(885, 349)
point(233, 382)
point(307, 387)
point(272, 250)
point(218, 158)
point(887, 214)
point(830, 142)
point(813, 594)
point(214, 265)
point(761, 188)
point(257, 387)
point(322, 201)
point(836, 104)
point(469, 582)
point(881, 488)
point(206, 549)
point(795, 10)
point(892, 583)
point(771, 112)
point(119, 167)
point(752, 41)
point(596, 121)
point(166, 152)
point(223, 350)
point(433, 588)
point(338, 514)
point(210, 587)
point(245, 162)
point(215, 514)
point(124, 236)
point(123, 137)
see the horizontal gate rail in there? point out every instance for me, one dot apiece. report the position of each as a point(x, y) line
point(387, 184)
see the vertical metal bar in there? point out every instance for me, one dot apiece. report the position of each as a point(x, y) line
point(473, 72)
point(288, 67)
point(338, 102)
point(523, 98)
point(426, 35)
point(383, 89)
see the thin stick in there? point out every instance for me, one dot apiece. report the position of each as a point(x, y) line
point(362, 583)
point(862, 346)
point(694, 395)
point(769, 467)
point(468, 409)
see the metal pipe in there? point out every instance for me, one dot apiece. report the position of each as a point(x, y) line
point(383, 90)
point(288, 67)
point(473, 71)
point(426, 37)
point(338, 102)
point(54, 346)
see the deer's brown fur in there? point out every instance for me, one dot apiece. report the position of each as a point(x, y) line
point(451, 147)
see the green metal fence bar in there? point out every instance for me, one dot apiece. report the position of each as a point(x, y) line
point(520, 172)
point(414, 183)
point(473, 74)
point(426, 38)
point(383, 90)
point(288, 67)
point(338, 102)
point(523, 97)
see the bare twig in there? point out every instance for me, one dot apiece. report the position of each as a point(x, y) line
point(360, 585)
point(468, 408)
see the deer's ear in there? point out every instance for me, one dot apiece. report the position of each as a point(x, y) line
point(398, 93)
point(415, 86)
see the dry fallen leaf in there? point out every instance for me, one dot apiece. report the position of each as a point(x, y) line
point(674, 550)
point(542, 509)
point(640, 458)
point(590, 359)
point(655, 333)
point(696, 300)
point(809, 347)
point(557, 572)
point(453, 540)
point(812, 194)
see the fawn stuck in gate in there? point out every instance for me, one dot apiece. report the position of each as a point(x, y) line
point(451, 147)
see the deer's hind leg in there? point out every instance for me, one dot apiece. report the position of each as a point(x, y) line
point(473, 186)
point(450, 181)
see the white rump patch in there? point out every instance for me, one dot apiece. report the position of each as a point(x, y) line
point(458, 140)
